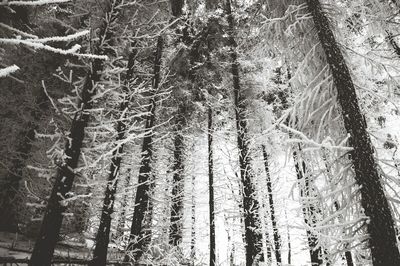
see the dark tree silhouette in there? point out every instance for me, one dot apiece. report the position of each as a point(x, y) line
point(103, 232)
point(276, 235)
point(138, 237)
point(51, 225)
point(253, 236)
point(382, 235)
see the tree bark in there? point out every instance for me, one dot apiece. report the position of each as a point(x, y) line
point(253, 234)
point(276, 235)
point(211, 199)
point(137, 239)
point(193, 229)
point(103, 232)
point(382, 236)
point(51, 225)
point(124, 204)
point(175, 234)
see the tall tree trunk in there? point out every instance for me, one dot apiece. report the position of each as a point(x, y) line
point(193, 229)
point(103, 232)
point(51, 225)
point(382, 235)
point(137, 239)
point(50, 229)
point(308, 208)
point(267, 237)
point(121, 220)
point(289, 242)
point(175, 234)
point(253, 233)
point(276, 235)
point(211, 186)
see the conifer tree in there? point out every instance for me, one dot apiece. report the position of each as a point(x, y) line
point(52, 220)
point(253, 236)
point(382, 235)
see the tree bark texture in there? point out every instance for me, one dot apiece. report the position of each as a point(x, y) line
point(138, 235)
point(51, 224)
point(103, 232)
point(276, 235)
point(382, 236)
point(253, 235)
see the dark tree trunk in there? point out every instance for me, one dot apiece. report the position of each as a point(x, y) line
point(250, 204)
point(137, 239)
point(211, 186)
point(10, 185)
point(175, 233)
point(103, 232)
point(193, 229)
point(277, 237)
point(50, 229)
point(309, 210)
point(289, 242)
point(380, 228)
point(52, 220)
point(121, 220)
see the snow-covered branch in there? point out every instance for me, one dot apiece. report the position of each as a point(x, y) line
point(4, 72)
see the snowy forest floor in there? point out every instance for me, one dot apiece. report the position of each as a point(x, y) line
point(15, 249)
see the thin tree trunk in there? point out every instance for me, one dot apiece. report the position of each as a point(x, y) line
point(51, 225)
point(137, 236)
point(267, 237)
point(382, 235)
point(211, 186)
point(289, 242)
point(347, 254)
point(193, 229)
point(103, 232)
point(250, 204)
point(121, 221)
point(309, 210)
point(276, 235)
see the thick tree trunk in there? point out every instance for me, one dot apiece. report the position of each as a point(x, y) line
point(276, 235)
point(137, 239)
point(382, 235)
point(51, 225)
point(211, 186)
point(253, 233)
point(103, 232)
point(175, 234)
point(50, 229)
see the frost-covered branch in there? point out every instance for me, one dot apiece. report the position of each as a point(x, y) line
point(32, 3)
point(4, 72)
